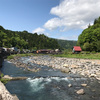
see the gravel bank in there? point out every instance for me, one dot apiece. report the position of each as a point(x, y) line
point(85, 67)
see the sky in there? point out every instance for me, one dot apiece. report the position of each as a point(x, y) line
point(61, 19)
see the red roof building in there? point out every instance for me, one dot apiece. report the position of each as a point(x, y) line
point(77, 49)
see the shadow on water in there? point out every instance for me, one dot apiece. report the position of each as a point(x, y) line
point(50, 84)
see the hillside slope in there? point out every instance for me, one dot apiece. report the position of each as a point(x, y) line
point(26, 40)
point(66, 44)
point(89, 39)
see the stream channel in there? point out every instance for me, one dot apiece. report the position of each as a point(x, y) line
point(49, 84)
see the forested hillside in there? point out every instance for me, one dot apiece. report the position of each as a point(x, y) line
point(25, 40)
point(66, 44)
point(89, 40)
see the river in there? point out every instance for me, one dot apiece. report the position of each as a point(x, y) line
point(49, 84)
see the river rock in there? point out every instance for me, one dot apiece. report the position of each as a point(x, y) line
point(93, 75)
point(19, 78)
point(69, 85)
point(7, 77)
point(14, 78)
point(65, 70)
point(74, 66)
point(65, 65)
point(84, 85)
point(80, 92)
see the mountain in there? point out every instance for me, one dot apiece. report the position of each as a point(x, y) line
point(66, 44)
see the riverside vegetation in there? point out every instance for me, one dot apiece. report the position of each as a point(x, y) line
point(83, 55)
point(2, 79)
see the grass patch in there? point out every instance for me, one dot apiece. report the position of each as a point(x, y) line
point(83, 55)
point(80, 56)
point(20, 55)
point(4, 81)
point(1, 75)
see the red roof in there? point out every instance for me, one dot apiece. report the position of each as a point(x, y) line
point(77, 48)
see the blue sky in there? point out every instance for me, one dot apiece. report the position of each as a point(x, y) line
point(62, 19)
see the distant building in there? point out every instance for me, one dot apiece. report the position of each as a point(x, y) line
point(77, 49)
point(13, 50)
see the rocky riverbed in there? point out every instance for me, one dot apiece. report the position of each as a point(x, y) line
point(84, 67)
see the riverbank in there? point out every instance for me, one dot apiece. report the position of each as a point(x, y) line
point(5, 95)
point(84, 67)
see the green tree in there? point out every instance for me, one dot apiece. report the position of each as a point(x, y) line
point(86, 46)
point(98, 46)
point(3, 38)
point(26, 40)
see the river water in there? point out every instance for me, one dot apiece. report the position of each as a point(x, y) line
point(49, 84)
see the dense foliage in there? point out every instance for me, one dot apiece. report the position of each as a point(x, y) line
point(66, 44)
point(25, 40)
point(89, 40)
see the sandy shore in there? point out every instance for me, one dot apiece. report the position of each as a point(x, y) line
point(85, 67)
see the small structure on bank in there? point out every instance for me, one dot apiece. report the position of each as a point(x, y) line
point(48, 51)
point(44, 51)
point(77, 49)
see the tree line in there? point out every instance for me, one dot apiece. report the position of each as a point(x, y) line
point(26, 40)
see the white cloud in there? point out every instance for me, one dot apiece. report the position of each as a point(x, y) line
point(53, 24)
point(74, 14)
point(40, 31)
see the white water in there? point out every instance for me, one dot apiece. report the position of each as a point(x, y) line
point(38, 84)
